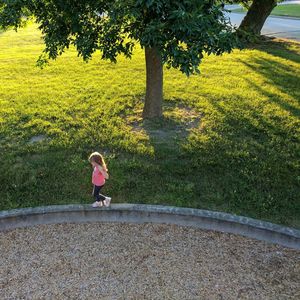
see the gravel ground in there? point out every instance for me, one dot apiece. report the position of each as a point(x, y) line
point(148, 261)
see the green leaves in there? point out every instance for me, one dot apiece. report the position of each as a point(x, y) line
point(181, 30)
point(13, 13)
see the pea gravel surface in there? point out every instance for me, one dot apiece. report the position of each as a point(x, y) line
point(142, 261)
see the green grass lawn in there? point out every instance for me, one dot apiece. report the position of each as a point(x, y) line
point(228, 141)
point(288, 10)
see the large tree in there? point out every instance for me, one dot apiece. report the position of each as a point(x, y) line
point(258, 12)
point(256, 16)
point(175, 33)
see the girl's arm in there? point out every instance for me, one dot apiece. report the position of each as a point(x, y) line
point(103, 171)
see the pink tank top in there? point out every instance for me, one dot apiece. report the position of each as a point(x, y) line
point(98, 178)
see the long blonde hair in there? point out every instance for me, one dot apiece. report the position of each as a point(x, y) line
point(98, 158)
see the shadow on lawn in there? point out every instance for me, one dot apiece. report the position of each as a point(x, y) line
point(260, 150)
point(163, 178)
point(239, 163)
point(257, 157)
point(282, 77)
point(280, 48)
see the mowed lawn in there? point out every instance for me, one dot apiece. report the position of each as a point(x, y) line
point(228, 141)
point(288, 10)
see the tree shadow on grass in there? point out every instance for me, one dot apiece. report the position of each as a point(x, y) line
point(237, 159)
point(283, 78)
point(167, 167)
point(286, 49)
point(258, 160)
point(284, 104)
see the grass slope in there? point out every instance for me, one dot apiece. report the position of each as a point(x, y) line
point(288, 10)
point(230, 140)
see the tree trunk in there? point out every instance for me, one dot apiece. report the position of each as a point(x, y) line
point(257, 15)
point(154, 84)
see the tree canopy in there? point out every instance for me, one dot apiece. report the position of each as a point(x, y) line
point(181, 31)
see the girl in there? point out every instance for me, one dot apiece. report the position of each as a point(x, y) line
point(100, 173)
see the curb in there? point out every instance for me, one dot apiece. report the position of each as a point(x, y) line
point(139, 213)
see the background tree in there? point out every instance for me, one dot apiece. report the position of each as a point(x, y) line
point(258, 12)
point(175, 33)
point(256, 16)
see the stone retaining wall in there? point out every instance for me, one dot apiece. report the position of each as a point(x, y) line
point(138, 213)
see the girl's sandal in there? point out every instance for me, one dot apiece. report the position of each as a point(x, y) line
point(97, 204)
point(106, 202)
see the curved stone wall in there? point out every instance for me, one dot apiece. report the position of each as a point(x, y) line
point(138, 213)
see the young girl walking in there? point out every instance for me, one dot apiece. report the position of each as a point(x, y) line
point(100, 173)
